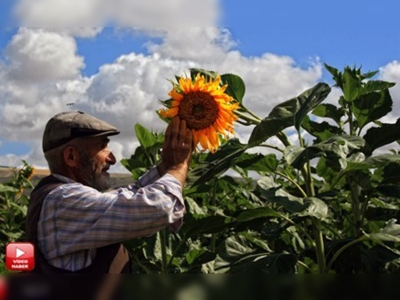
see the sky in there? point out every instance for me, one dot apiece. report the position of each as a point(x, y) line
point(116, 66)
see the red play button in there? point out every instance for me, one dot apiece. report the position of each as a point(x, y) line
point(20, 257)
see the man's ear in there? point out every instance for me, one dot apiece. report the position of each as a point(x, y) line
point(70, 156)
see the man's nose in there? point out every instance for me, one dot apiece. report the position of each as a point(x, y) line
point(111, 159)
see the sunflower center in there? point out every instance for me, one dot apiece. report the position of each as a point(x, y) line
point(199, 110)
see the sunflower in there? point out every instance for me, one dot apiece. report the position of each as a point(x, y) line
point(206, 108)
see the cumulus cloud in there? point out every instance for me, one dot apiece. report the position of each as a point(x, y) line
point(38, 55)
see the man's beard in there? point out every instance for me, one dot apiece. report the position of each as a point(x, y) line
point(93, 176)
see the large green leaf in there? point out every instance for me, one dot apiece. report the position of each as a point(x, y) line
point(272, 192)
point(376, 85)
point(322, 131)
point(377, 137)
point(217, 163)
point(238, 255)
point(236, 87)
point(370, 107)
point(309, 100)
point(257, 162)
point(289, 113)
point(211, 224)
point(329, 168)
point(390, 233)
point(260, 212)
point(315, 207)
point(198, 257)
point(144, 136)
point(138, 163)
point(339, 146)
point(351, 85)
point(391, 174)
point(336, 75)
point(326, 110)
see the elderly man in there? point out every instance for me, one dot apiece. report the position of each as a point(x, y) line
point(75, 222)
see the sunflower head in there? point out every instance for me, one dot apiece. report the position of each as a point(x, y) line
point(201, 101)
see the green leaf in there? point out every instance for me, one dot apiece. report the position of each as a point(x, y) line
point(370, 107)
point(309, 100)
point(144, 136)
point(236, 87)
point(337, 76)
point(376, 86)
point(377, 137)
point(207, 73)
point(272, 192)
point(329, 168)
point(216, 163)
point(389, 190)
point(239, 256)
point(8, 189)
point(198, 257)
point(391, 174)
point(351, 85)
point(327, 110)
point(257, 162)
point(267, 128)
point(382, 160)
point(338, 146)
point(322, 131)
point(260, 212)
point(193, 207)
point(287, 114)
point(314, 207)
point(211, 224)
point(390, 233)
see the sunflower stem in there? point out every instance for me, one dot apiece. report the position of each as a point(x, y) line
point(213, 203)
point(163, 241)
point(251, 113)
point(252, 120)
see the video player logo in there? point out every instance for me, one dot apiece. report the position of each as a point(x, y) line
point(20, 257)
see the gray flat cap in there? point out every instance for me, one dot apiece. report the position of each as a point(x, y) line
point(69, 125)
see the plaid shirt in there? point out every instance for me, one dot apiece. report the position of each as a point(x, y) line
point(76, 219)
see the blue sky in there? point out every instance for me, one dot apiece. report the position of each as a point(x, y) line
point(338, 33)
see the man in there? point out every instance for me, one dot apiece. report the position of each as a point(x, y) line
point(75, 222)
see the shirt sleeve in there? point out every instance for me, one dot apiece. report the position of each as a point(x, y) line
point(75, 217)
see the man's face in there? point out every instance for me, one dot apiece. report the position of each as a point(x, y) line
point(95, 161)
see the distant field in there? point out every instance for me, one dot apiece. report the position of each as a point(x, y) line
point(118, 179)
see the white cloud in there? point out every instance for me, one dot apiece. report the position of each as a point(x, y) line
point(62, 15)
point(65, 14)
point(391, 73)
point(38, 55)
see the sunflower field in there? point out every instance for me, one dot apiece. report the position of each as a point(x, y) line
point(326, 203)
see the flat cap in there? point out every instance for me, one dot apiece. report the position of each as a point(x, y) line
point(69, 125)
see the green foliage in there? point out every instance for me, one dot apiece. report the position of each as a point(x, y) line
point(327, 203)
point(13, 207)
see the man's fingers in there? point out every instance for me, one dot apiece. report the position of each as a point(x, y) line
point(175, 127)
point(189, 138)
point(168, 132)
